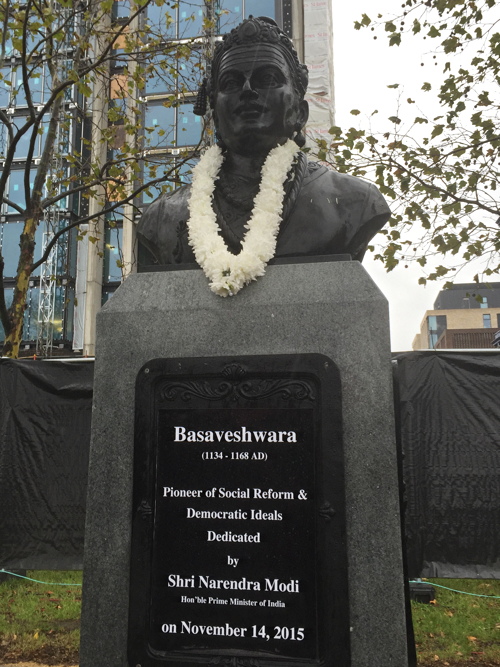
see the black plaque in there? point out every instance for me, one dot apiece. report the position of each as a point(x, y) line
point(238, 539)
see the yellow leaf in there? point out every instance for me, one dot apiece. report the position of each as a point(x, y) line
point(449, 613)
point(36, 635)
point(436, 658)
point(471, 638)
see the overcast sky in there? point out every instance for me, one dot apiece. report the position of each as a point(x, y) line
point(364, 67)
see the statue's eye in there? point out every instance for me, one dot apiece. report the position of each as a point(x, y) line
point(267, 79)
point(229, 83)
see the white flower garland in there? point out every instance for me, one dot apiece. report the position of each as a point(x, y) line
point(226, 272)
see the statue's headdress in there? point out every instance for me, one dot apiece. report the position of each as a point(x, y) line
point(253, 31)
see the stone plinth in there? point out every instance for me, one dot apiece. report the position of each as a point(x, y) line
point(331, 308)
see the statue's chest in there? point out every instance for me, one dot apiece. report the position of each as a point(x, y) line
point(232, 218)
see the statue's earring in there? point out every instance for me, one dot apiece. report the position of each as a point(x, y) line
point(200, 106)
point(299, 138)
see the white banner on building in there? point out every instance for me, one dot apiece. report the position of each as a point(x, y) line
point(318, 55)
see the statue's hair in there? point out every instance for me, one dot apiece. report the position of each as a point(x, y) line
point(254, 31)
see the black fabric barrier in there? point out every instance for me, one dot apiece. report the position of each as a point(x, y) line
point(449, 414)
point(45, 410)
point(448, 409)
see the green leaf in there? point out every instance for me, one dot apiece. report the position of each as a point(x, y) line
point(335, 130)
point(84, 89)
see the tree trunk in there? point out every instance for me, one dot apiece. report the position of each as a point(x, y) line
point(14, 337)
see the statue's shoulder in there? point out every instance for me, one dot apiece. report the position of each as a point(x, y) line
point(362, 198)
point(349, 187)
point(170, 204)
point(165, 212)
point(163, 226)
point(352, 208)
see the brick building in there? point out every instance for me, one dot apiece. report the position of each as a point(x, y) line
point(466, 316)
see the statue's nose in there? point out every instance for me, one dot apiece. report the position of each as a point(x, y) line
point(247, 89)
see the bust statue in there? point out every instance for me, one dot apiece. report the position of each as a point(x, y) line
point(256, 93)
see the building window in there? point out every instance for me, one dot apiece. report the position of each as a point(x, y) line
point(10, 233)
point(189, 70)
point(113, 254)
point(189, 126)
point(153, 171)
point(160, 19)
point(5, 86)
point(487, 321)
point(179, 174)
point(436, 324)
point(9, 295)
point(23, 145)
point(160, 81)
point(159, 125)
point(31, 314)
point(17, 194)
point(121, 9)
point(261, 8)
point(484, 302)
point(190, 19)
point(231, 12)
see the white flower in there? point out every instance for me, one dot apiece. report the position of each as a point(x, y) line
point(229, 273)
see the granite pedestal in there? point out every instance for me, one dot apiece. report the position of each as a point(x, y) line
point(331, 308)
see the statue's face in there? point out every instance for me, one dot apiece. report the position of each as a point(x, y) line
point(256, 106)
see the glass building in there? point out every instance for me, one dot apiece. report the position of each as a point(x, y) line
point(80, 275)
point(51, 293)
point(172, 131)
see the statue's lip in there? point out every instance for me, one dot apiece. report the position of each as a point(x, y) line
point(250, 110)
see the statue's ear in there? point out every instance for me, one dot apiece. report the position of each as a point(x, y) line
point(303, 113)
point(302, 116)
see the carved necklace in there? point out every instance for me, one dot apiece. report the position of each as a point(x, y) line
point(229, 184)
point(228, 273)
